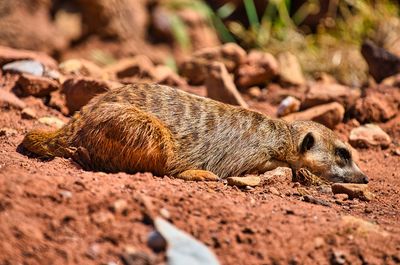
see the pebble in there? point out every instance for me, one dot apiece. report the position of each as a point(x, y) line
point(369, 135)
point(132, 256)
point(25, 66)
point(288, 105)
point(360, 226)
point(93, 251)
point(220, 85)
point(325, 189)
point(279, 175)
point(341, 196)
point(119, 206)
point(353, 190)
point(182, 247)
point(7, 132)
point(273, 191)
point(52, 121)
point(80, 67)
point(258, 68)
point(311, 199)
point(251, 181)
point(28, 114)
point(330, 114)
point(38, 86)
point(165, 213)
point(319, 242)
point(368, 210)
point(156, 241)
point(396, 151)
point(254, 92)
point(10, 100)
point(100, 218)
point(338, 258)
point(65, 194)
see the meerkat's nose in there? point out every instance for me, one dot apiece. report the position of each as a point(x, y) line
point(364, 179)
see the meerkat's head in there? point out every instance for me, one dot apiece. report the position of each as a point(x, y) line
point(322, 152)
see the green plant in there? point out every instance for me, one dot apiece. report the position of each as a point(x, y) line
point(332, 48)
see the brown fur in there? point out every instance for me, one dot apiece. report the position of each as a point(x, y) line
point(167, 131)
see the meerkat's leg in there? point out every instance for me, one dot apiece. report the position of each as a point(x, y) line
point(272, 164)
point(130, 140)
point(197, 175)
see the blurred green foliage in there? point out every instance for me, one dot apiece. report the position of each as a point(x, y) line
point(333, 47)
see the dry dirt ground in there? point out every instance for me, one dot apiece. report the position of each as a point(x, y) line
point(53, 212)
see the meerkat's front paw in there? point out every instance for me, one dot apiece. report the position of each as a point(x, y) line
point(198, 175)
point(82, 157)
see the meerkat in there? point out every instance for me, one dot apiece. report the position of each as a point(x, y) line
point(166, 131)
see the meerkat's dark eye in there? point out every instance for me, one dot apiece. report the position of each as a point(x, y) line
point(344, 154)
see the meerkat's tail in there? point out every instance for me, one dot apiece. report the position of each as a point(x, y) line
point(46, 144)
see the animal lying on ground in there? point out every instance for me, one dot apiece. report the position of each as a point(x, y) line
point(166, 131)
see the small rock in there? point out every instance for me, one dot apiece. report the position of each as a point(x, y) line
point(58, 102)
point(119, 206)
point(52, 121)
point(28, 114)
point(323, 93)
point(65, 194)
point(311, 199)
point(25, 66)
point(102, 217)
point(156, 241)
point(341, 196)
point(368, 209)
point(220, 86)
point(273, 191)
point(396, 152)
point(8, 55)
point(251, 181)
point(369, 135)
point(132, 256)
point(8, 99)
point(7, 132)
point(290, 69)
point(80, 67)
point(378, 104)
point(288, 105)
point(329, 114)
point(165, 76)
point(30, 85)
point(338, 258)
point(80, 90)
point(182, 247)
point(254, 92)
point(282, 175)
point(319, 242)
point(289, 211)
point(325, 189)
point(259, 68)
point(140, 67)
point(359, 191)
point(195, 69)
point(93, 251)
point(165, 213)
point(360, 227)
point(381, 63)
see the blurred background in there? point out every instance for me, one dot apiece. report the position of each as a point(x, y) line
point(324, 35)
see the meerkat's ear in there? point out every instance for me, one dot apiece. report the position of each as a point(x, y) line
point(307, 143)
